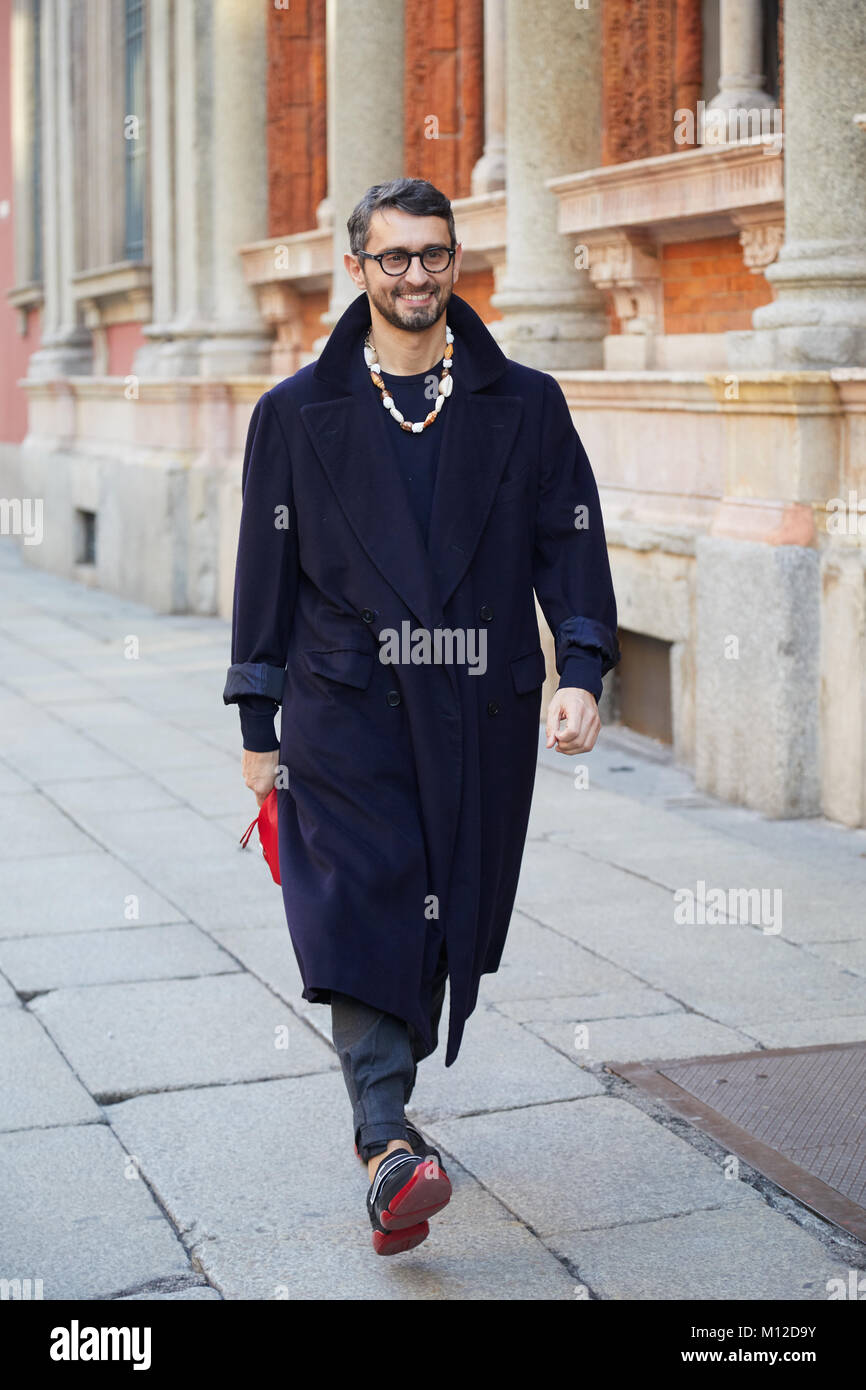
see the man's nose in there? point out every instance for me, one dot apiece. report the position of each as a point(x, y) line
point(416, 274)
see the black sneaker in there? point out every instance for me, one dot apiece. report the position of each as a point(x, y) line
point(419, 1146)
point(406, 1191)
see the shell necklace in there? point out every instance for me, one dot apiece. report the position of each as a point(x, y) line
point(445, 384)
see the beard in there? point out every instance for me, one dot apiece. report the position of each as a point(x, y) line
point(413, 318)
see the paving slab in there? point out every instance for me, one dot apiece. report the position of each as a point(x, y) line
point(111, 957)
point(53, 753)
point(501, 1064)
point(75, 892)
point(102, 712)
point(704, 1255)
point(539, 960)
point(640, 1039)
point(12, 783)
point(71, 1217)
point(730, 971)
point(37, 1084)
point(31, 827)
point(813, 904)
point(605, 1163)
point(150, 743)
point(197, 1293)
point(129, 1038)
point(224, 892)
point(43, 629)
point(94, 802)
point(150, 838)
point(806, 1032)
point(268, 954)
point(53, 689)
point(8, 998)
point(280, 1212)
point(217, 790)
point(636, 1002)
point(850, 954)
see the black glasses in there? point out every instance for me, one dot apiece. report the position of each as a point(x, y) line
point(434, 259)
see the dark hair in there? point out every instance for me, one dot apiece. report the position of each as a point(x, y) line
point(410, 195)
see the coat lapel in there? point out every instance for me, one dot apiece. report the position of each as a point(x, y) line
point(478, 435)
point(478, 432)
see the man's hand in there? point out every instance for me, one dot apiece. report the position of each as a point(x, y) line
point(259, 771)
point(580, 711)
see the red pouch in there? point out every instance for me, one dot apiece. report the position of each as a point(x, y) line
point(266, 821)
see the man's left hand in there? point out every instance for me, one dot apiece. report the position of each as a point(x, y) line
point(580, 711)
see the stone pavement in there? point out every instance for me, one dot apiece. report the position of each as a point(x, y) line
point(173, 1121)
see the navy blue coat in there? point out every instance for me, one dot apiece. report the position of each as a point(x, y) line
point(409, 785)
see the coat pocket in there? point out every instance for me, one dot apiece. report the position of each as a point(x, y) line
point(513, 487)
point(344, 664)
point(528, 672)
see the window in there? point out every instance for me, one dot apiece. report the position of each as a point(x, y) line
point(36, 159)
point(135, 162)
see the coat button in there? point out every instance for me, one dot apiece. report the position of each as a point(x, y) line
point(393, 697)
point(485, 612)
point(367, 615)
point(492, 707)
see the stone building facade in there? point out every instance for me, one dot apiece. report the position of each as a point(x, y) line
point(661, 202)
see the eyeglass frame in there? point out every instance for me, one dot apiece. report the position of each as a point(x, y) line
point(394, 274)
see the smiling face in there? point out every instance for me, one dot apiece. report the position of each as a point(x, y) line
point(416, 300)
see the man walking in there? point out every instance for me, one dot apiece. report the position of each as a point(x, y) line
point(402, 498)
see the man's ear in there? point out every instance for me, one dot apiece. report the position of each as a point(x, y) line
point(458, 257)
point(353, 265)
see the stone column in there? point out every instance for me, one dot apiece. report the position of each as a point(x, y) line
point(239, 344)
point(154, 357)
point(742, 79)
point(552, 315)
point(66, 348)
point(208, 68)
point(181, 193)
point(489, 172)
point(365, 118)
point(818, 318)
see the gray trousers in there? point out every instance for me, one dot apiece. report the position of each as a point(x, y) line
point(379, 1054)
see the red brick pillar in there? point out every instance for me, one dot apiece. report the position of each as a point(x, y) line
point(444, 93)
point(297, 151)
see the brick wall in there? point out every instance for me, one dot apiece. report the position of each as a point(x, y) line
point(476, 287)
point(296, 121)
point(443, 92)
point(707, 288)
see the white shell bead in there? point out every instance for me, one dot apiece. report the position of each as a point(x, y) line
point(445, 386)
point(374, 367)
point(440, 401)
point(397, 416)
point(369, 356)
point(416, 429)
point(447, 364)
point(449, 336)
point(387, 402)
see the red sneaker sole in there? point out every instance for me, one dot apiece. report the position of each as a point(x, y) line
point(395, 1242)
point(427, 1191)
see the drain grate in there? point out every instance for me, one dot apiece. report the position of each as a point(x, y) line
point(798, 1115)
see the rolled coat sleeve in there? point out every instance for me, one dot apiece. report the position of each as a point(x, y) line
point(571, 569)
point(266, 580)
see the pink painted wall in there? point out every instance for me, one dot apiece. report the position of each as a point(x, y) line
point(15, 350)
point(124, 340)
